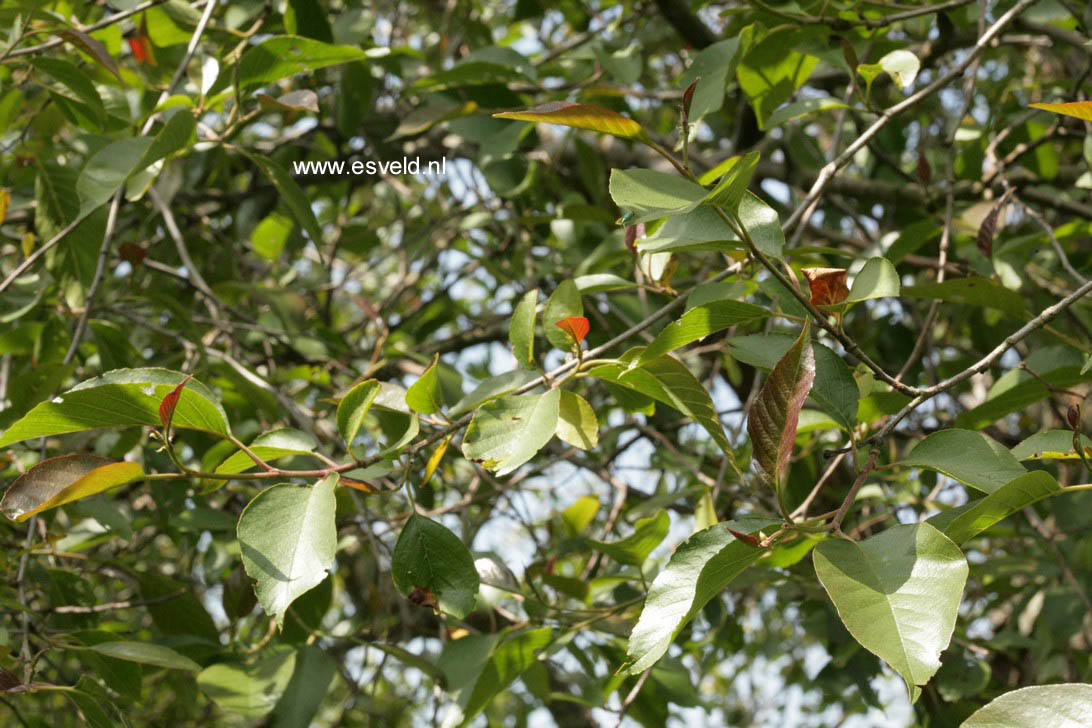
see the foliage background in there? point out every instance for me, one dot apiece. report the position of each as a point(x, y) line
point(281, 292)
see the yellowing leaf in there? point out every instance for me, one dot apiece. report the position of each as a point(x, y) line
point(61, 480)
point(1078, 109)
point(580, 116)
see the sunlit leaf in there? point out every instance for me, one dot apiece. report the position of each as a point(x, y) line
point(1078, 109)
point(703, 565)
point(898, 593)
point(288, 540)
point(1057, 706)
point(509, 431)
point(64, 479)
point(575, 326)
point(121, 398)
point(576, 421)
point(580, 116)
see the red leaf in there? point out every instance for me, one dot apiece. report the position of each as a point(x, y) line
point(141, 44)
point(774, 416)
point(828, 285)
point(688, 97)
point(142, 50)
point(745, 538)
point(986, 230)
point(166, 407)
point(132, 253)
point(576, 327)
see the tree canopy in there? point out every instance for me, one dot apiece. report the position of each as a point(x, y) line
point(546, 362)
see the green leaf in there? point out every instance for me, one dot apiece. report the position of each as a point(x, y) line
point(565, 302)
point(701, 321)
point(288, 541)
point(509, 660)
point(121, 398)
point(270, 235)
point(703, 565)
point(762, 224)
point(428, 556)
point(711, 68)
point(492, 388)
point(771, 72)
point(970, 457)
point(77, 83)
point(286, 55)
point(64, 479)
point(650, 195)
point(901, 65)
point(667, 380)
point(146, 653)
point(598, 282)
point(424, 395)
point(314, 673)
point(108, 169)
point(250, 689)
point(834, 390)
point(1049, 445)
point(270, 446)
point(509, 431)
point(877, 279)
point(576, 421)
point(521, 330)
point(737, 176)
point(635, 548)
point(580, 514)
point(797, 109)
point(291, 194)
point(580, 116)
point(971, 292)
point(1057, 706)
point(698, 230)
point(177, 134)
point(999, 505)
point(353, 406)
point(898, 594)
point(772, 420)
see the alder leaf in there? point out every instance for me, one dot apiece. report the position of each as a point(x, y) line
point(772, 421)
point(63, 479)
point(430, 557)
point(576, 421)
point(509, 431)
point(288, 540)
point(580, 116)
point(1078, 109)
point(575, 326)
point(170, 401)
point(737, 175)
point(521, 330)
point(897, 593)
point(827, 285)
point(1058, 706)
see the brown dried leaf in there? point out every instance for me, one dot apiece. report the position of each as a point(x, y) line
point(828, 285)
